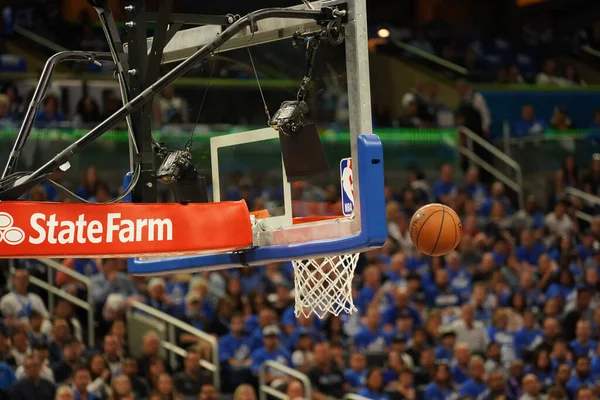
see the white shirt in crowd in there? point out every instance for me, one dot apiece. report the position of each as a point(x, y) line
point(476, 337)
point(13, 305)
point(562, 226)
point(46, 372)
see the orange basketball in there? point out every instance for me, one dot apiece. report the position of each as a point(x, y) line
point(435, 229)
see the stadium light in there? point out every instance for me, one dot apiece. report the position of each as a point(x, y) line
point(383, 33)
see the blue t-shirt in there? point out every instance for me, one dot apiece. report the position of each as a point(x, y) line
point(485, 209)
point(372, 341)
point(558, 290)
point(417, 265)
point(441, 189)
point(261, 355)
point(437, 298)
point(477, 192)
point(316, 335)
point(366, 392)
point(355, 379)
point(546, 378)
point(472, 389)
point(7, 376)
point(530, 256)
point(583, 349)
point(458, 374)
point(442, 353)
point(392, 313)
point(525, 337)
point(574, 383)
point(583, 252)
point(525, 128)
point(237, 348)
point(434, 392)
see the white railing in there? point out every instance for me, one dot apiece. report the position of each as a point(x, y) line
point(353, 396)
point(590, 198)
point(430, 57)
point(514, 184)
point(264, 389)
point(172, 348)
point(50, 287)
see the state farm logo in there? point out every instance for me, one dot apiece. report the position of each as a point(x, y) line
point(10, 234)
point(112, 229)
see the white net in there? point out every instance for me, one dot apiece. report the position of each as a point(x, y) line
point(324, 285)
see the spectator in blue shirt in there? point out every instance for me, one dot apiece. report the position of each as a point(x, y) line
point(583, 345)
point(356, 374)
point(7, 376)
point(441, 294)
point(529, 250)
point(496, 195)
point(581, 377)
point(542, 368)
point(585, 249)
point(445, 188)
point(475, 386)
point(82, 377)
point(441, 388)
point(476, 191)
point(271, 351)
point(50, 115)
point(460, 278)
point(372, 284)
point(529, 124)
point(500, 334)
point(460, 369)
point(445, 352)
point(528, 333)
point(374, 386)
point(370, 336)
point(234, 351)
point(401, 305)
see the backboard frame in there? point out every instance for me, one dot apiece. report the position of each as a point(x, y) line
point(367, 227)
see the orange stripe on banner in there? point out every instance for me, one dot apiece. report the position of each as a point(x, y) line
point(29, 229)
point(261, 214)
point(316, 218)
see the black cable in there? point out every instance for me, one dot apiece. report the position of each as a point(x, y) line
point(190, 141)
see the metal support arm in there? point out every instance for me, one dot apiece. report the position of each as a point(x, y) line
point(168, 78)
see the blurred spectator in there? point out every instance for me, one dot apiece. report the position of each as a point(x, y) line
point(139, 385)
point(371, 336)
point(71, 357)
point(271, 350)
point(432, 91)
point(529, 125)
point(572, 76)
point(374, 386)
point(18, 305)
point(209, 392)
point(531, 388)
point(111, 281)
point(514, 75)
point(89, 184)
point(234, 350)
point(584, 393)
point(16, 102)
point(101, 376)
point(581, 377)
point(6, 120)
point(445, 188)
point(50, 115)
point(548, 75)
point(470, 332)
point(416, 105)
point(87, 113)
point(120, 388)
point(558, 222)
point(244, 392)
point(475, 386)
point(81, 380)
point(595, 126)
point(40, 352)
point(32, 386)
point(170, 108)
point(560, 119)
point(441, 387)
point(326, 377)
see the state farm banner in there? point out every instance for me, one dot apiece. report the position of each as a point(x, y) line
point(31, 229)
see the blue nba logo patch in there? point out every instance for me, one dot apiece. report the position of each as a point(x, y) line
point(347, 187)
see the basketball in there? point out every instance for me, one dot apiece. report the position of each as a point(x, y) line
point(435, 229)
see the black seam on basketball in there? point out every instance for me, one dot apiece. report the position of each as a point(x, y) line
point(455, 229)
point(422, 225)
point(440, 231)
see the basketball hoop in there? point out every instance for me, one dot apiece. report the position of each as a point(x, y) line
point(324, 285)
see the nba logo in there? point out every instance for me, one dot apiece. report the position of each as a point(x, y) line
point(347, 187)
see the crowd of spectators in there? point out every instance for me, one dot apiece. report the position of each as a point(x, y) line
point(511, 314)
